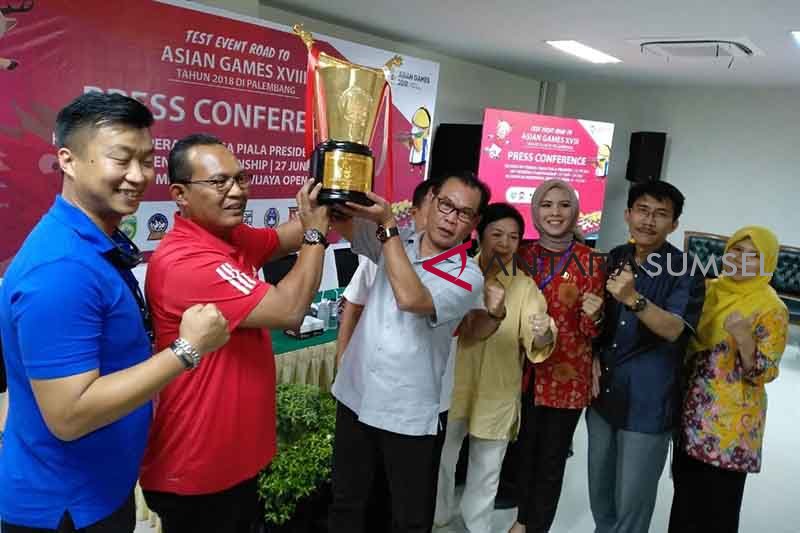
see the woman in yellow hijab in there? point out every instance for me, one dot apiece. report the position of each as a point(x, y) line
point(740, 340)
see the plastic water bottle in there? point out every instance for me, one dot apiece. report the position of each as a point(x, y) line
point(334, 315)
point(324, 313)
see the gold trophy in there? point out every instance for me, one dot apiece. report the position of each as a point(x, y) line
point(343, 112)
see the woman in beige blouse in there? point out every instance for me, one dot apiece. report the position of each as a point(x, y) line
point(488, 372)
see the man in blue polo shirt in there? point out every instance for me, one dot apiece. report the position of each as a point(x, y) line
point(75, 343)
point(652, 309)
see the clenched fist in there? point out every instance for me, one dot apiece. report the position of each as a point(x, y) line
point(494, 298)
point(622, 286)
point(540, 324)
point(592, 305)
point(204, 327)
point(739, 326)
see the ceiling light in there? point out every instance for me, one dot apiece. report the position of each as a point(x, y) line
point(584, 52)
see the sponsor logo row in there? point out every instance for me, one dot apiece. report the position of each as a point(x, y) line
point(158, 223)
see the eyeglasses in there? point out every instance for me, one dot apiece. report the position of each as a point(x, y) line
point(658, 214)
point(223, 183)
point(445, 207)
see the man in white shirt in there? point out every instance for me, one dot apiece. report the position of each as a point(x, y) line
point(355, 296)
point(389, 383)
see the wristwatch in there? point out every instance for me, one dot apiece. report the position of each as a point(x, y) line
point(314, 236)
point(638, 305)
point(186, 353)
point(384, 234)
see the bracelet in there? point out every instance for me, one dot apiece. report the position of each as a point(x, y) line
point(182, 357)
point(187, 354)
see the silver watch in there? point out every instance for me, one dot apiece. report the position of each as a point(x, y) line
point(314, 236)
point(186, 353)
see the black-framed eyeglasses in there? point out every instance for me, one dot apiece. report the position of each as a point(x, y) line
point(658, 214)
point(223, 183)
point(445, 207)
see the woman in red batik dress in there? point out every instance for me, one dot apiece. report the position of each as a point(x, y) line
point(556, 390)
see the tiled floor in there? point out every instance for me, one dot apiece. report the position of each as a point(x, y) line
point(770, 497)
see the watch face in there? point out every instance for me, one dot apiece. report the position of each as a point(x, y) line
point(312, 236)
point(384, 233)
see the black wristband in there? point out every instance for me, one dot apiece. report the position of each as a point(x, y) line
point(505, 312)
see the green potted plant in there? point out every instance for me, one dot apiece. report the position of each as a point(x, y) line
point(295, 487)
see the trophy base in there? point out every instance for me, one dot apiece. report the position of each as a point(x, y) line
point(345, 170)
point(335, 196)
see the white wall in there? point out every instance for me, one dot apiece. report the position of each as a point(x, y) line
point(734, 153)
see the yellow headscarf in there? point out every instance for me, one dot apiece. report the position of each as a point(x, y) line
point(750, 295)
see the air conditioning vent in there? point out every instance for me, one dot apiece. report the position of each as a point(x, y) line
point(699, 48)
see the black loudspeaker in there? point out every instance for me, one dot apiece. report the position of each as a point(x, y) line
point(456, 147)
point(274, 271)
point(646, 156)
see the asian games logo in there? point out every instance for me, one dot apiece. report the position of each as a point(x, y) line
point(157, 224)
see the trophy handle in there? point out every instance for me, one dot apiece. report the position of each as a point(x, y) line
point(306, 36)
point(394, 62)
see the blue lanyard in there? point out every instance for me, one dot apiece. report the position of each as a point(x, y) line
point(562, 261)
point(124, 256)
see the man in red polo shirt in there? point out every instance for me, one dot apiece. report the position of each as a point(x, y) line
point(214, 428)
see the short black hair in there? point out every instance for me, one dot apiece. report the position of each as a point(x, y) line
point(179, 168)
point(421, 190)
point(498, 211)
point(660, 190)
point(469, 179)
point(93, 110)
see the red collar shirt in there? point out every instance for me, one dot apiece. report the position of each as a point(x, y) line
point(564, 380)
point(214, 426)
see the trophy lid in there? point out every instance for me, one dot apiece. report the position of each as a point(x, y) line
point(347, 96)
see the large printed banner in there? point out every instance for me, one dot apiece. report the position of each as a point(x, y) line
point(199, 70)
point(521, 150)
